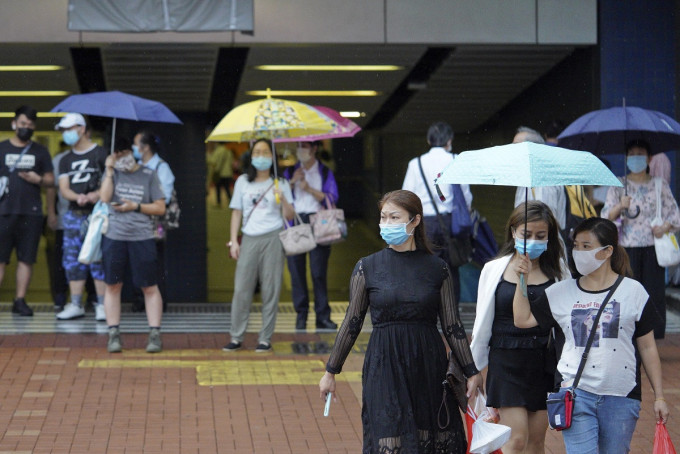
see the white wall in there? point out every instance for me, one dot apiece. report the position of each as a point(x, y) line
point(347, 21)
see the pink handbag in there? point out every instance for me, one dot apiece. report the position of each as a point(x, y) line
point(328, 225)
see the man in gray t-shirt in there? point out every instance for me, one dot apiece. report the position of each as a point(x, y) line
point(141, 186)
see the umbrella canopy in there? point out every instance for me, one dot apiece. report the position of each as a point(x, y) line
point(270, 118)
point(117, 105)
point(344, 127)
point(527, 164)
point(607, 131)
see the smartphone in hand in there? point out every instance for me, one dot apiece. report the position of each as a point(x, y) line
point(328, 404)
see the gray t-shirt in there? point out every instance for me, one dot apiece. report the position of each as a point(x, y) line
point(141, 186)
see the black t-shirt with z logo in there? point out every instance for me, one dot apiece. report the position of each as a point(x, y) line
point(23, 197)
point(84, 171)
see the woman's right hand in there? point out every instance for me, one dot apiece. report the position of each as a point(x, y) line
point(625, 202)
point(234, 249)
point(327, 385)
point(110, 161)
point(522, 265)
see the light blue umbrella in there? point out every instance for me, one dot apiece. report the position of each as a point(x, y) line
point(527, 164)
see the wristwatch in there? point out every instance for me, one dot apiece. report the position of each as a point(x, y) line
point(230, 243)
point(139, 208)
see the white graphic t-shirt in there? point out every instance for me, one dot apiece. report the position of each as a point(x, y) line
point(612, 365)
point(266, 217)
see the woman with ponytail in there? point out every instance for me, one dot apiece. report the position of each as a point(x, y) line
point(608, 395)
point(407, 289)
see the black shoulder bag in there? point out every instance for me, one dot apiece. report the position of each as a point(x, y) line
point(561, 404)
point(459, 248)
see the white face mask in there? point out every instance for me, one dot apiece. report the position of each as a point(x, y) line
point(125, 163)
point(304, 154)
point(586, 262)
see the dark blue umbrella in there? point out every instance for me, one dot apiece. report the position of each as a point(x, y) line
point(116, 104)
point(607, 131)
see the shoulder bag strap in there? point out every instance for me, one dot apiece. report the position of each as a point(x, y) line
point(434, 204)
point(657, 187)
point(254, 206)
point(23, 152)
point(591, 337)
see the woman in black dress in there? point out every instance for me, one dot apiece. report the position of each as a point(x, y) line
point(406, 288)
point(521, 362)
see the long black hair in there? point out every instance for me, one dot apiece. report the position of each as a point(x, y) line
point(152, 140)
point(549, 261)
point(607, 234)
point(251, 171)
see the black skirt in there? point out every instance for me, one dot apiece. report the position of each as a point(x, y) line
point(518, 378)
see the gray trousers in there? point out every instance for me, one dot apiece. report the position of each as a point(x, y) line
point(262, 258)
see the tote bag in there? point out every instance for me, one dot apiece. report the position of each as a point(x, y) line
point(666, 247)
point(298, 238)
point(98, 223)
point(328, 225)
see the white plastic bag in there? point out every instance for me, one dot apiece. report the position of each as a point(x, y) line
point(666, 247)
point(91, 251)
point(487, 436)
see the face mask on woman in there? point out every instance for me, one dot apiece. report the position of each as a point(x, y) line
point(125, 163)
point(534, 247)
point(261, 162)
point(636, 163)
point(70, 137)
point(395, 234)
point(586, 262)
point(304, 154)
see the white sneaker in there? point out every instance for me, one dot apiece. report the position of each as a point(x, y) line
point(70, 312)
point(99, 313)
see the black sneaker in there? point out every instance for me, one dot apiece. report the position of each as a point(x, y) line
point(263, 348)
point(232, 347)
point(20, 307)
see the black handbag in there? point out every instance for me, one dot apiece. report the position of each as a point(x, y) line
point(459, 247)
point(455, 383)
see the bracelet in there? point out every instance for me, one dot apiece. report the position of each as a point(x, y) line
point(660, 398)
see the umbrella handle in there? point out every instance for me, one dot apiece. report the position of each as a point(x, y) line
point(523, 285)
point(276, 195)
point(632, 216)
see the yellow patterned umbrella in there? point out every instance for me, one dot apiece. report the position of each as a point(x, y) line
point(270, 118)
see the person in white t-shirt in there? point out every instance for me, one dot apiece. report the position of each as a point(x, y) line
point(257, 212)
point(608, 395)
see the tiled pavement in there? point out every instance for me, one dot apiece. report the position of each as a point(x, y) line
point(62, 392)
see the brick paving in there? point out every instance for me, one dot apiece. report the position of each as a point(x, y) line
point(63, 393)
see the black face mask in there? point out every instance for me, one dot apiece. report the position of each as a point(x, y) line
point(24, 134)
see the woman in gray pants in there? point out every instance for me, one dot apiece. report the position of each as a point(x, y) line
point(258, 206)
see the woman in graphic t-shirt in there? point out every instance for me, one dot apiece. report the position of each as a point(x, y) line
point(258, 213)
point(608, 395)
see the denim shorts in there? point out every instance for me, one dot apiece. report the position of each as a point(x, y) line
point(140, 256)
point(601, 424)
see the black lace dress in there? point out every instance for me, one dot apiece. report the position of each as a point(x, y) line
point(405, 360)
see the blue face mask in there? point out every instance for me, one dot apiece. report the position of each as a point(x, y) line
point(136, 153)
point(70, 137)
point(534, 247)
point(636, 163)
point(261, 162)
point(395, 234)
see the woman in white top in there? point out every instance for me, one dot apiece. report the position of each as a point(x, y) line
point(258, 207)
point(607, 403)
point(521, 362)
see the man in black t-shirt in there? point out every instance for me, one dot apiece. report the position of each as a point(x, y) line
point(80, 173)
point(25, 167)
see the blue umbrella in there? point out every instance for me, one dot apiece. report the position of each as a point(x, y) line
point(116, 104)
point(607, 131)
point(527, 164)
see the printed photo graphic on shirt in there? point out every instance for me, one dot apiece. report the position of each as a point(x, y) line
point(583, 317)
point(128, 191)
point(253, 197)
point(27, 161)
